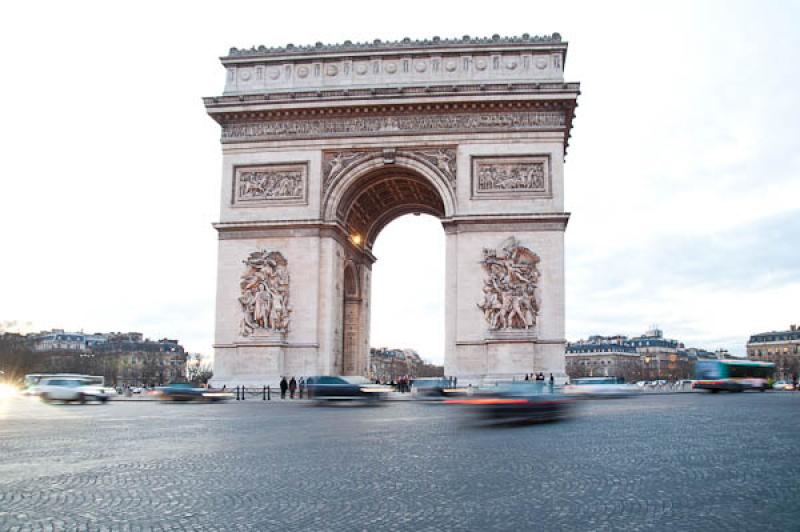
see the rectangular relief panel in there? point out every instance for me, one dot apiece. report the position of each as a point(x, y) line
point(270, 184)
point(511, 176)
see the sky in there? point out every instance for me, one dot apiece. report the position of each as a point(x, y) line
point(682, 177)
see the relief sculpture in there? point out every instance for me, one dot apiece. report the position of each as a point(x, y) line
point(265, 294)
point(527, 175)
point(272, 182)
point(510, 299)
point(511, 177)
point(443, 159)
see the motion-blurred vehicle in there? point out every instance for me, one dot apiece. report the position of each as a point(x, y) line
point(608, 387)
point(784, 386)
point(434, 388)
point(340, 388)
point(183, 391)
point(68, 389)
point(732, 375)
point(516, 403)
point(32, 380)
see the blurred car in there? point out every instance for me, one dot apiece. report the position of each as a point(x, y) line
point(434, 388)
point(596, 387)
point(70, 389)
point(516, 403)
point(339, 388)
point(183, 391)
point(783, 386)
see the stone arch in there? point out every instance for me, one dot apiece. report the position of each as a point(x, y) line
point(368, 195)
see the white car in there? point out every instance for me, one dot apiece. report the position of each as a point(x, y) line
point(783, 385)
point(69, 389)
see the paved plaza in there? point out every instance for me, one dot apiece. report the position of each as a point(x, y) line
point(663, 462)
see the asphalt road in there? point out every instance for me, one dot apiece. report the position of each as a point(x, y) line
point(666, 462)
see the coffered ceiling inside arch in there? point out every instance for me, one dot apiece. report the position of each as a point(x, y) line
point(382, 197)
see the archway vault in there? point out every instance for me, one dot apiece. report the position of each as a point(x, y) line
point(368, 194)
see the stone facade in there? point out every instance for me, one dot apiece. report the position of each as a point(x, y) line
point(779, 347)
point(325, 145)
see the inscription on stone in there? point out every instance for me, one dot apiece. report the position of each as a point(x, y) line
point(270, 183)
point(513, 176)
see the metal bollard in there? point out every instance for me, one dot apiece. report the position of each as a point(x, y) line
point(237, 393)
point(269, 398)
point(243, 391)
point(264, 393)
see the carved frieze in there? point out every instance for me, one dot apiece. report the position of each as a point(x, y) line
point(510, 298)
point(264, 298)
point(511, 176)
point(356, 126)
point(270, 183)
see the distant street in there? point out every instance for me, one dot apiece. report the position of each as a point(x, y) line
point(661, 462)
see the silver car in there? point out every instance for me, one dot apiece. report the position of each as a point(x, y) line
point(68, 389)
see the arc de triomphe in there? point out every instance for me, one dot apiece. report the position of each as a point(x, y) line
point(325, 145)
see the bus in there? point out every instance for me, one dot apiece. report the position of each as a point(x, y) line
point(32, 380)
point(732, 375)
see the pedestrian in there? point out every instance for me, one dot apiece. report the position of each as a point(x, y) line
point(292, 388)
point(552, 382)
point(301, 386)
point(455, 382)
point(527, 377)
point(284, 386)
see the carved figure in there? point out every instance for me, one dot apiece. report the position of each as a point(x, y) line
point(444, 160)
point(509, 290)
point(265, 293)
point(337, 162)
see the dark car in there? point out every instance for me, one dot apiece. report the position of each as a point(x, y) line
point(435, 388)
point(183, 391)
point(335, 388)
point(516, 403)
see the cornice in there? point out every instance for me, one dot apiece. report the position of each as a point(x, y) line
point(369, 96)
point(404, 45)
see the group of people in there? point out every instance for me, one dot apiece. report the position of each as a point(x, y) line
point(292, 386)
point(402, 384)
point(539, 377)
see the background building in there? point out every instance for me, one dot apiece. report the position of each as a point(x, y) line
point(389, 364)
point(603, 356)
point(122, 358)
point(649, 356)
point(780, 347)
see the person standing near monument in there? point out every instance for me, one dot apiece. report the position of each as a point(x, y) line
point(292, 388)
point(284, 386)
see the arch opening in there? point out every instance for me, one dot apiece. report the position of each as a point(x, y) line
point(408, 296)
point(384, 195)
